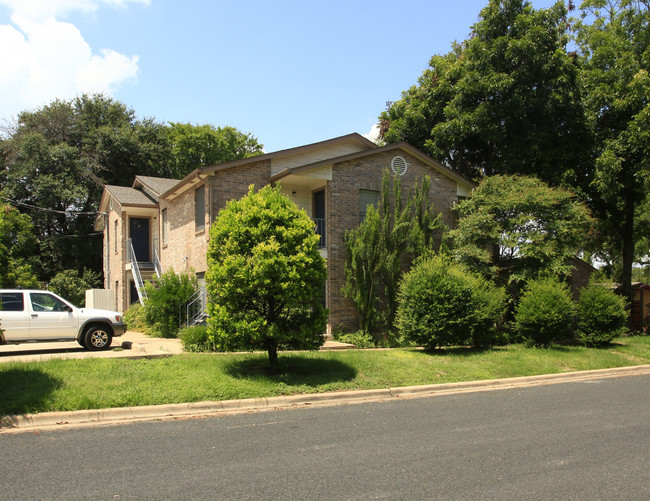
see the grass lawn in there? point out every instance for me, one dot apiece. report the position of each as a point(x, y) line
point(59, 385)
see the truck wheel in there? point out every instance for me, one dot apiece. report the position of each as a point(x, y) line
point(98, 338)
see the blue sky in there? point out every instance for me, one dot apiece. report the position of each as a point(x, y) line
point(289, 72)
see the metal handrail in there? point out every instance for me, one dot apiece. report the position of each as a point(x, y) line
point(135, 268)
point(156, 260)
point(194, 308)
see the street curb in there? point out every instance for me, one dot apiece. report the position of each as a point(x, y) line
point(61, 420)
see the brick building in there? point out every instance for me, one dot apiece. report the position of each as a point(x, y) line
point(162, 223)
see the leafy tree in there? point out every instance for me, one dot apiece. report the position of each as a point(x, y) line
point(505, 101)
point(56, 160)
point(17, 243)
point(386, 240)
point(515, 227)
point(196, 146)
point(72, 286)
point(614, 37)
point(54, 165)
point(265, 276)
point(162, 308)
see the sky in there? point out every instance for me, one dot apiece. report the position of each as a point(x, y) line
point(288, 72)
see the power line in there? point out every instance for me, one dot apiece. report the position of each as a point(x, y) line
point(65, 213)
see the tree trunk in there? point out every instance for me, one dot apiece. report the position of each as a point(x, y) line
point(628, 252)
point(272, 349)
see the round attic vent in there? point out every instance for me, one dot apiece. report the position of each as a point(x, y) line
point(399, 166)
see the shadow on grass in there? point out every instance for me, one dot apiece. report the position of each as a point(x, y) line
point(295, 370)
point(25, 390)
point(460, 351)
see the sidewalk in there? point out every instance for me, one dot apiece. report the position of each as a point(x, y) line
point(129, 345)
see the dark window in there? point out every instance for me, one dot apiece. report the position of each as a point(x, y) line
point(319, 216)
point(164, 226)
point(199, 208)
point(12, 301)
point(115, 236)
point(366, 198)
point(133, 293)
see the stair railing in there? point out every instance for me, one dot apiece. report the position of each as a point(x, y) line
point(135, 268)
point(156, 260)
point(194, 309)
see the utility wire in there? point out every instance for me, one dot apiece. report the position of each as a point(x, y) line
point(65, 213)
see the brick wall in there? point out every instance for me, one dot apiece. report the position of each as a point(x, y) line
point(343, 214)
point(114, 270)
point(186, 247)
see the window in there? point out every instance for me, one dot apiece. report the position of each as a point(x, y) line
point(199, 208)
point(366, 198)
point(165, 227)
point(12, 301)
point(42, 301)
point(115, 235)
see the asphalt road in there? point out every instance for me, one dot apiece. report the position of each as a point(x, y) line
point(587, 440)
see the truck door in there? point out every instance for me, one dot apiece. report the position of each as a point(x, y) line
point(14, 317)
point(49, 318)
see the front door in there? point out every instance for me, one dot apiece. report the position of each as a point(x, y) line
point(139, 231)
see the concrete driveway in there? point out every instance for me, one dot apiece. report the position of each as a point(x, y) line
point(129, 345)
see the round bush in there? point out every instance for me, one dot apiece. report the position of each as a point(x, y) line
point(442, 304)
point(134, 318)
point(545, 312)
point(601, 316)
point(196, 339)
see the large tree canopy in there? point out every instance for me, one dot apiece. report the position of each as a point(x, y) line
point(517, 227)
point(55, 160)
point(54, 166)
point(504, 101)
point(616, 48)
point(194, 146)
point(17, 244)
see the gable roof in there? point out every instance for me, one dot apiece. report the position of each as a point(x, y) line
point(196, 174)
point(130, 196)
point(380, 149)
point(124, 196)
point(156, 185)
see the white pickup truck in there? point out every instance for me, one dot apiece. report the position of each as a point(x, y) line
point(36, 315)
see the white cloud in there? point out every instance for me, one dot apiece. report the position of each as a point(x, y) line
point(43, 59)
point(373, 134)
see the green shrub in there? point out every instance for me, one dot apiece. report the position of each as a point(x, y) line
point(69, 285)
point(196, 339)
point(601, 316)
point(360, 339)
point(490, 305)
point(443, 304)
point(545, 312)
point(162, 306)
point(135, 320)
